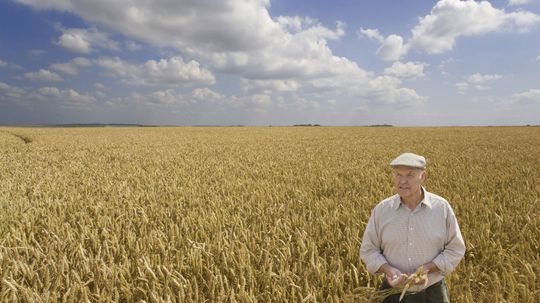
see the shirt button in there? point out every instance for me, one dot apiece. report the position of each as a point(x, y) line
point(409, 259)
point(410, 244)
point(411, 228)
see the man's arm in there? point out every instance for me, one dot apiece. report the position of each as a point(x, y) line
point(454, 248)
point(370, 249)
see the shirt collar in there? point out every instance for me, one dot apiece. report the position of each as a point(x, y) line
point(426, 201)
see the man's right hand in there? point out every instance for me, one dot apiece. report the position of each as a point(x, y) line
point(394, 277)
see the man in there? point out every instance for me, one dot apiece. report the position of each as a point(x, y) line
point(411, 229)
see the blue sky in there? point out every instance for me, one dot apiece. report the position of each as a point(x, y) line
point(261, 62)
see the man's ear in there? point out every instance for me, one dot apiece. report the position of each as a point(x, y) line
point(424, 175)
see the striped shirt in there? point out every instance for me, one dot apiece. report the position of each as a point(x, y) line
point(407, 239)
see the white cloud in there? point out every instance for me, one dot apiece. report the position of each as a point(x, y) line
point(43, 75)
point(462, 87)
point(132, 46)
point(448, 20)
point(303, 54)
point(269, 86)
point(371, 34)
point(207, 95)
point(392, 48)
point(518, 2)
point(65, 97)
point(71, 67)
point(233, 25)
point(303, 104)
point(531, 96)
point(172, 71)
point(12, 92)
point(3, 63)
point(406, 70)
point(84, 41)
point(479, 78)
point(295, 24)
point(63, 5)
point(46, 95)
point(444, 64)
point(100, 86)
point(171, 99)
point(538, 57)
point(477, 81)
point(233, 36)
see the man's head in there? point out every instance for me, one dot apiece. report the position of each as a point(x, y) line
point(409, 174)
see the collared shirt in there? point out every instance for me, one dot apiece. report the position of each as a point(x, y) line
point(407, 239)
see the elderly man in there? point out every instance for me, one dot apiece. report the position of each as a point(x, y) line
point(411, 229)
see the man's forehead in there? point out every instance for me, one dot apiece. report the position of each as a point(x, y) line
point(406, 169)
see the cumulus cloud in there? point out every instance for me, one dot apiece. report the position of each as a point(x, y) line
point(444, 64)
point(392, 48)
point(84, 41)
point(477, 81)
point(462, 87)
point(12, 92)
point(3, 63)
point(71, 67)
point(538, 57)
point(531, 96)
point(269, 86)
point(171, 99)
point(233, 25)
point(371, 34)
point(411, 70)
point(479, 78)
point(43, 75)
point(132, 46)
point(172, 71)
point(232, 36)
point(518, 2)
point(448, 20)
point(46, 95)
point(302, 54)
point(66, 97)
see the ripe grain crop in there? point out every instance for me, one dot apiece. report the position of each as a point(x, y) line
point(251, 214)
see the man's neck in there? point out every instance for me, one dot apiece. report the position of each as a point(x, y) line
point(413, 201)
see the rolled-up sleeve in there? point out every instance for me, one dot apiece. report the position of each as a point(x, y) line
point(454, 248)
point(370, 249)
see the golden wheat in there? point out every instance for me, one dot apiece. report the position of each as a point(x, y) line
point(254, 214)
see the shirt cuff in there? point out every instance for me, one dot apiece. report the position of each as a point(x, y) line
point(441, 264)
point(374, 266)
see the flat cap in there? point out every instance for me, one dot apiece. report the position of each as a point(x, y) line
point(410, 160)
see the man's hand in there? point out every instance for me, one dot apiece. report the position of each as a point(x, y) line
point(420, 277)
point(394, 277)
point(420, 280)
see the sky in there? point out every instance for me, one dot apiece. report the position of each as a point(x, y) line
point(270, 62)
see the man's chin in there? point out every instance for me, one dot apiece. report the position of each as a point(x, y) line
point(404, 193)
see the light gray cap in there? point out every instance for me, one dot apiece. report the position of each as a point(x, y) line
point(410, 160)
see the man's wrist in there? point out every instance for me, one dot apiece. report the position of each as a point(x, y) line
point(384, 269)
point(431, 267)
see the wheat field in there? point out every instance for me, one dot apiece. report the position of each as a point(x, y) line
point(251, 214)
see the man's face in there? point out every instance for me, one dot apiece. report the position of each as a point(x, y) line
point(408, 180)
